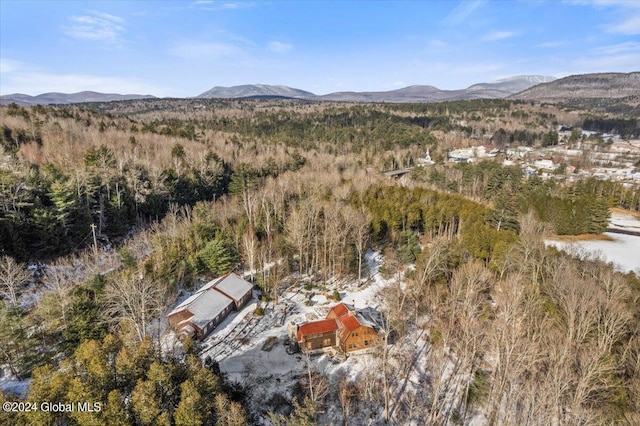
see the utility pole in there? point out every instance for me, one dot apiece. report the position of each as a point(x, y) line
point(95, 241)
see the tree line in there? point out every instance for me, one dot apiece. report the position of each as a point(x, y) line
point(577, 208)
point(129, 385)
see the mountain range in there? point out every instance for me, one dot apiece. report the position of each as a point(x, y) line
point(256, 91)
point(605, 91)
point(600, 85)
point(497, 89)
point(418, 93)
point(67, 98)
point(617, 93)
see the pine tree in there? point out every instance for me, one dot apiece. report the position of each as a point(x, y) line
point(114, 413)
point(92, 366)
point(63, 197)
point(217, 256)
point(189, 410)
point(18, 349)
point(229, 413)
point(145, 403)
point(599, 215)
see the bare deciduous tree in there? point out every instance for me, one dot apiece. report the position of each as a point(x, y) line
point(346, 393)
point(250, 247)
point(134, 300)
point(59, 279)
point(13, 276)
point(359, 223)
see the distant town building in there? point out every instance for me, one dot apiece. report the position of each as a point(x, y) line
point(519, 152)
point(426, 160)
point(545, 165)
point(462, 155)
point(467, 155)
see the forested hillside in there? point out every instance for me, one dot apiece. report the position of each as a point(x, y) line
point(120, 209)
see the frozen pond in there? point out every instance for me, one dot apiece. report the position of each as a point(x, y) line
point(623, 250)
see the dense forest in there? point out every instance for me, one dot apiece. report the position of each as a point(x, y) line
point(121, 208)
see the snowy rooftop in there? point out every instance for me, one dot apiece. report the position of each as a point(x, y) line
point(233, 286)
point(209, 305)
point(205, 305)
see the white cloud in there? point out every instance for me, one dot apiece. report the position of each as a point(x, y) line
point(96, 26)
point(279, 47)
point(621, 57)
point(552, 44)
point(9, 66)
point(461, 12)
point(498, 35)
point(626, 26)
point(618, 63)
point(30, 79)
point(623, 17)
point(435, 43)
point(620, 48)
point(214, 5)
point(205, 50)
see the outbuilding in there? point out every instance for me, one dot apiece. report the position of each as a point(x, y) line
point(203, 311)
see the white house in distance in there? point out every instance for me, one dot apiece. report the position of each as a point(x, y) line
point(204, 310)
point(426, 160)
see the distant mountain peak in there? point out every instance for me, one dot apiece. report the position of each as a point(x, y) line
point(256, 90)
point(67, 98)
point(589, 91)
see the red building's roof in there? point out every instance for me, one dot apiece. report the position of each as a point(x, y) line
point(340, 310)
point(350, 322)
point(316, 327)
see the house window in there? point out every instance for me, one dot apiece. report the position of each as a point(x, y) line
point(355, 334)
point(352, 346)
point(367, 342)
point(326, 342)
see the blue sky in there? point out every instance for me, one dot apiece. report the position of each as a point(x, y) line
point(184, 48)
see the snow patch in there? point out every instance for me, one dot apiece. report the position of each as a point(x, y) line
point(9, 384)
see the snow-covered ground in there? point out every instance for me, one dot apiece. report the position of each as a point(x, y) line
point(273, 378)
point(623, 250)
point(271, 375)
point(252, 350)
point(624, 222)
point(11, 385)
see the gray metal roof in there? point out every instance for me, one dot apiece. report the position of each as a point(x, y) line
point(208, 305)
point(211, 299)
point(205, 304)
point(233, 286)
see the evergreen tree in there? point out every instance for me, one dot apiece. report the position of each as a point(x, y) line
point(189, 411)
point(114, 412)
point(18, 348)
point(217, 256)
point(85, 317)
point(145, 404)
